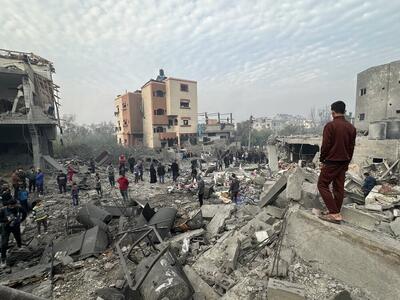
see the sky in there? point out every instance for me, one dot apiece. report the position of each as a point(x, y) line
point(255, 57)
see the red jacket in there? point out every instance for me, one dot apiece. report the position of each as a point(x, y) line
point(123, 183)
point(338, 141)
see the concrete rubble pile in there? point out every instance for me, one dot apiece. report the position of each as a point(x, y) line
point(162, 245)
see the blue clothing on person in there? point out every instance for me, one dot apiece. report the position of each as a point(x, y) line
point(39, 178)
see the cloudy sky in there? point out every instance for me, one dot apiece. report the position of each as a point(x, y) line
point(257, 57)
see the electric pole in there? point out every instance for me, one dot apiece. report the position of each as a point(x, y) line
point(250, 127)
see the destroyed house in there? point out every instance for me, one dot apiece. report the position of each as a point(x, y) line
point(28, 108)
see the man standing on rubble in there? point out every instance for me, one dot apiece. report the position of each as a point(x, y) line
point(11, 217)
point(175, 170)
point(62, 182)
point(336, 153)
point(201, 188)
point(123, 186)
point(131, 162)
point(111, 175)
point(234, 188)
point(32, 179)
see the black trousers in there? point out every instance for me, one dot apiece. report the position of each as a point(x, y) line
point(201, 197)
point(32, 185)
point(5, 236)
point(62, 187)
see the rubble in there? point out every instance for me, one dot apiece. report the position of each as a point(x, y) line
point(162, 244)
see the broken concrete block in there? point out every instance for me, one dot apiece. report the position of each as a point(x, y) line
point(279, 290)
point(359, 218)
point(199, 285)
point(374, 207)
point(273, 158)
point(217, 223)
point(209, 210)
point(270, 196)
point(110, 293)
point(274, 211)
point(287, 254)
point(294, 185)
point(395, 226)
point(186, 235)
point(281, 270)
point(231, 254)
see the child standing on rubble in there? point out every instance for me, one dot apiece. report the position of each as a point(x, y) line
point(40, 216)
point(75, 194)
point(98, 185)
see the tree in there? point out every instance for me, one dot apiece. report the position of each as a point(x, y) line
point(258, 137)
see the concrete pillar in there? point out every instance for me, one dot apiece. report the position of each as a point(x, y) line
point(273, 158)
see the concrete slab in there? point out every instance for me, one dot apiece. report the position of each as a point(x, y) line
point(395, 226)
point(350, 254)
point(94, 242)
point(189, 234)
point(199, 285)
point(274, 211)
point(231, 254)
point(270, 196)
point(210, 210)
point(217, 223)
point(359, 218)
point(284, 290)
point(294, 184)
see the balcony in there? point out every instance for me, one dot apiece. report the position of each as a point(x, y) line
point(167, 135)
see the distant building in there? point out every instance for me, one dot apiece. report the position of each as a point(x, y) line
point(280, 121)
point(218, 128)
point(378, 94)
point(129, 118)
point(167, 110)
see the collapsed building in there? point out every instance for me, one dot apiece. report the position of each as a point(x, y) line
point(28, 108)
point(216, 127)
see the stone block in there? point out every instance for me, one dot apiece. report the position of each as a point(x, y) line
point(294, 185)
point(357, 217)
point(199, 285)
point(269, 197)
point(395, 226)
point(284, 290)
point(274, 211)
point(231, 254)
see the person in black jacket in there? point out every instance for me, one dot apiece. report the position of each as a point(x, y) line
point(161, 172)
point(62, 182)
point(11, 217)
point(6, 195)
point(175, 170)
point(234, 188)
point(131, 162)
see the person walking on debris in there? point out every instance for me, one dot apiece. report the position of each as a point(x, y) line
point(70, 172)
point(161, 172)
point(234, 188)
point(123, 187)
point(336, 153)
point(21, 178)
point(368, 184)
point(136, 172)
point(92, 166)
point(131, 162)
point(23, 196)
point(141, 170)
point(111, 175)
point(122, 163)
point(40, 182)
point(226, 161)
point(75, 194)
point(194, 172)
point(14, 183)
point(40, 216)
point(6, 195)
point(32, 179)
point(201, 188)
point(11, 217)
point(175, 170)
point(153, 173)
point(98, 185)
point(62, 182)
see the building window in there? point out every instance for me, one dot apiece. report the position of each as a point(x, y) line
point(158, 93)
point(159, 112)
point(185, 122)
point(398, 111)
point(158, 129)
point(361, 117)
point(363, 91)
point(170, 122)
point(176, 122)
point(185, 103)
point(124, 105)
point(212, 134)
point(184, 87)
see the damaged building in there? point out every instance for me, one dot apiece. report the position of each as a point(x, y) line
point(28, 108)
point(216, 127)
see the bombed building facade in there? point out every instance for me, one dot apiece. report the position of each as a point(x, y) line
point(378, 100)
point(28, 107)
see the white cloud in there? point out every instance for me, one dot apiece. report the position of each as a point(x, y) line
point(248, 56)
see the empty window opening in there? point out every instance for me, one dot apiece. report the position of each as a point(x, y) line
point(361, 117)
point(159, 112)
point(185, 103)
point(377, 160)
point(363, 91)
point(398, 111)
point(184, 87)
point(158, 93)
point(185, 122)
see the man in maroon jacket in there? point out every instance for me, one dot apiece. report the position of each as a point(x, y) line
point(336, 153)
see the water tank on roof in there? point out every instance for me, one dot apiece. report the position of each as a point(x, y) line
point(393, 129)
point(377, 131)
